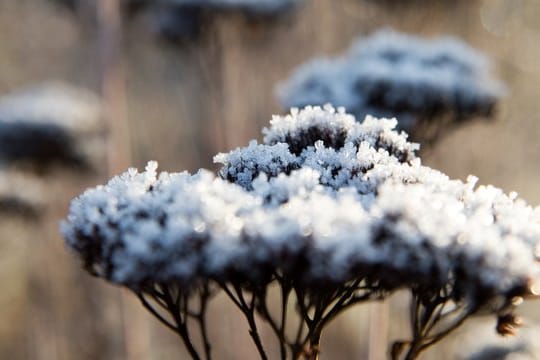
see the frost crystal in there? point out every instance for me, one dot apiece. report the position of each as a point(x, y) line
point(324, 201)
point(396, 75)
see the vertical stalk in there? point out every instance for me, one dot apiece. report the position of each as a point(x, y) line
point(112, 82)
point(113, 91)
point(378, 330)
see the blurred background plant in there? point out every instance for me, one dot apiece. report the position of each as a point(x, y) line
point(187, 103)
point(430, 85)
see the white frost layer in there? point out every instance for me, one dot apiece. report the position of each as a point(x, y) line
point(395, 221)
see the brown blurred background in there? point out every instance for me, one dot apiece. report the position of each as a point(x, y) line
point(186, 103)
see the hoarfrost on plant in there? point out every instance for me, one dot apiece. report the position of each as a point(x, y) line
point(324, 200)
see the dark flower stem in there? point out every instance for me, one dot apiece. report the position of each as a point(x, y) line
point(249, 313)
point(316, 308)
point(176, 303)
point(428, 315)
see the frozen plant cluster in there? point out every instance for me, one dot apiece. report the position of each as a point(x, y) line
point(325, 200)
point(423, 82)
point(48, 124)
point(253, 7)
point(330, 210)
point(183, 20)
point(179, 20)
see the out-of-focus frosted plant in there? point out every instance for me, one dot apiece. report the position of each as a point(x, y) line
point(249, 7)
point(181, 20)
point(428, 84)
point(331, 211)
point(20, 195)
point(184, 19)
point(50, 124)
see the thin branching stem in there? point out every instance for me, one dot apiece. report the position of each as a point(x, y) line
point(426, 316)
point(249, 313)
point(154, 312)
point(181, 325)
point(285, 291)
point(204, 296)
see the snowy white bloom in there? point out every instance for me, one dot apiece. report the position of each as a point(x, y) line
point(325, 201)
point(396, 75)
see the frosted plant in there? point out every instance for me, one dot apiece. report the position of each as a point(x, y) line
point(428, 84)
point(255, 7)
point(51, 123)
point(181, 20)
point(331, 211)
point(184, 19)
point(249, 7)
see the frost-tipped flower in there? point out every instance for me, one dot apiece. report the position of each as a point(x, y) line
point(336, 209)
point(425, 83)
point(51, 123)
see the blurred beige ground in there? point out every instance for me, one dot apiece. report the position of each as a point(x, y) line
point(187, 103)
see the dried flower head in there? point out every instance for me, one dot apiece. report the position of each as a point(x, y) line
point(426, 84)
point(336, 209)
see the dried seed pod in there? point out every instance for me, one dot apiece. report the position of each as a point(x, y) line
point(507, 324)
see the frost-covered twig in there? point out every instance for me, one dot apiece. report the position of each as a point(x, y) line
point(333, 212)
point(428, 84)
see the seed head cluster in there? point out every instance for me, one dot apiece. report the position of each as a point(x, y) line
point(323, 201)
point(417, 80)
